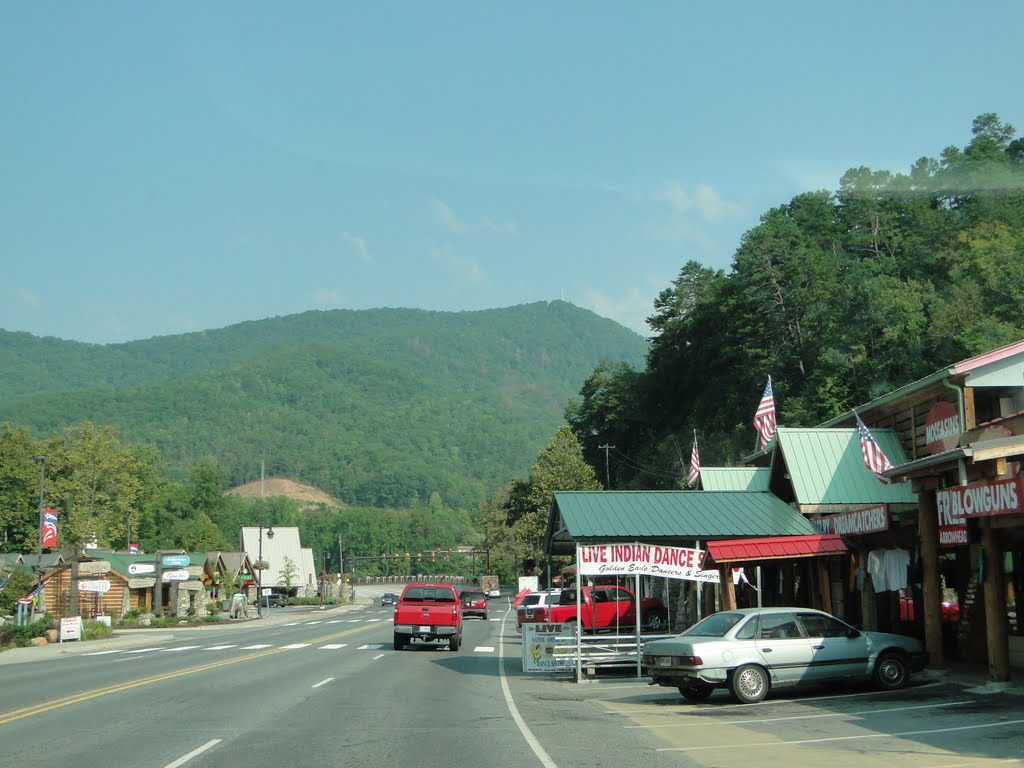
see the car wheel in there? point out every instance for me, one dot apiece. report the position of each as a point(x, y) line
point(749, 684)
point(890, 672)
point(570, 626)
point(453, 644)
point(485, 617)
point(400, 641)
point(654, 621)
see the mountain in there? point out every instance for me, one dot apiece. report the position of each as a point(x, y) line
point(375, 407)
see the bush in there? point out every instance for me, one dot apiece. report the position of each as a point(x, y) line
point(93, 630)
point(212, 618)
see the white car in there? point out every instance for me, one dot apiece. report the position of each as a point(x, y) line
point(494, 592)
point(752, 650)
point(534, 600)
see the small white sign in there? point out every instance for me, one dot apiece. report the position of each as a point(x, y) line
point(139, 568)
point(265, 591)
point(178, 575)
point(95, 585)
point(71, 628)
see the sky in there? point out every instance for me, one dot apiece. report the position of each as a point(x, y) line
point(175, 167)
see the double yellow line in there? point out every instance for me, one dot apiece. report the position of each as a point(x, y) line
point(78, 698)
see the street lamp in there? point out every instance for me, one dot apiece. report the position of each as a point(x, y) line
point(42, 491)
point(324, 577)
point(259, 575)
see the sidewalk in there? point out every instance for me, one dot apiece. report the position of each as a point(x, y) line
point(130, 638)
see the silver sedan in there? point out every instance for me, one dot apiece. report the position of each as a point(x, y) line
point(751, 650)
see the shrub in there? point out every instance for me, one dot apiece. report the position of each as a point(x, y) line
point(93, 630)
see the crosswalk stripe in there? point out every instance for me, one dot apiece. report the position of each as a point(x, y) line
point(484, 649)
point(332, 646)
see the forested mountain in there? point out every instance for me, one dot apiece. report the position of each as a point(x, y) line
point(839, 296)
point(376, 407)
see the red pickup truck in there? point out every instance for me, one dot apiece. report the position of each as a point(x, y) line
point(428, 612)
point(602, 607)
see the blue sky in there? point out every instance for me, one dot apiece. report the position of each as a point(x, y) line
point(174, 167)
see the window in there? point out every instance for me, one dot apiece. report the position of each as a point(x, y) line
point(818, 625)
point(779, 625)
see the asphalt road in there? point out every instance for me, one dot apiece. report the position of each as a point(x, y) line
point(325, 688)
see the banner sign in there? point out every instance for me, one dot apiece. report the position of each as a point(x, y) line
point(855, 522)
point(953, 536)
point(942, 427)
point(987, 498)
point(48, 532)
point(175, 561)
point(548, 648)
point(645, 559)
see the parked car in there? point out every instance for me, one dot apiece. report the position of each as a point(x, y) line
point(752, 650)
point(389, 598)
point(533, 604)
point(474, 603)
point(602, 608)
point(275, 600)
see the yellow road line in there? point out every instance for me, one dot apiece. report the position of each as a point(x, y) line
point(77, 698)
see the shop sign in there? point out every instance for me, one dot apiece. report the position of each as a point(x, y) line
point(175, 561)
point(987, 498)
point(137, 569)
point(94, 567)
point(70, 628)
point(646, 559)
point(178, 575)
point(856, 522)
point(97, 585)
point(953, 536)
point(942, 427)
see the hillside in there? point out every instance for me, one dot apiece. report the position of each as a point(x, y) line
point(375, 407)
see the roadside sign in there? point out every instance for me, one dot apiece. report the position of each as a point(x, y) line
point(265, 591)
point(143, 583)
point(175, 561)
point(178, 575)
point(71, 628)
point(95, 585)
point(136, 569)
point(94, 567)
point(195, 571)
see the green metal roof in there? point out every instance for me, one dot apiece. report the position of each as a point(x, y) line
point(826, 466)
point(735, 478)
point(667, 516)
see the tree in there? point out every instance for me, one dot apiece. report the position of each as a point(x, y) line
point(19, 483)
point(288, 573)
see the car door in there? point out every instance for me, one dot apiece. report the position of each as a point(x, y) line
point(784, 649)
point(834, 653)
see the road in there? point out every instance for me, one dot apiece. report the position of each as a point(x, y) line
point(316, 688)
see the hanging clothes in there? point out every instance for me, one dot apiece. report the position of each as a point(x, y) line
point(897, 562)
point(876, 569)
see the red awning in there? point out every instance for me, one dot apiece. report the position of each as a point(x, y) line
point(775, 548)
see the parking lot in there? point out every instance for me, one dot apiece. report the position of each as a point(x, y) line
point(933, 725)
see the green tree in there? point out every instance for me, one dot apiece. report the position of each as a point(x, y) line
point(288, 573)
point(19, 483)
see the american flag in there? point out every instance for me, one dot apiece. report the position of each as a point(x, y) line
point(874, 458)
point(764, 417)
point(694, 475)
point(133, 549)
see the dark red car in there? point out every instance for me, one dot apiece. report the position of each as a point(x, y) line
point(474, 603)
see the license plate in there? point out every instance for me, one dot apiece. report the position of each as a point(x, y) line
point(424, 629)
point(663, 661)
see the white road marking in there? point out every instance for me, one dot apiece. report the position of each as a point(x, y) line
point(323, 682)
point(197, 751)
point(180, 648)
point(255, 647)
point(369, 620)
point(379, 656)
point(847, 738)
point(484, 649)
point(219, 647)
point(293, 646)
point(354, 621)
point(103, 653)
point(145, 650)
point(332, 646)
point(311, 623)
point(292, 624)
point(335, 621)
point(524, 729)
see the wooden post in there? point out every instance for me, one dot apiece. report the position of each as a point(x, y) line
point(823, 594)
point(995, 605)
point(728, 589)
point(928, 533)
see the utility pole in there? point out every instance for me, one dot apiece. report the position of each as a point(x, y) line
point(607, 473)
